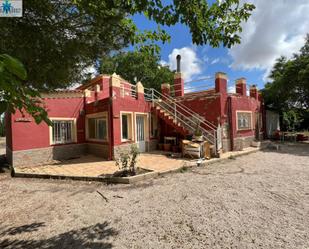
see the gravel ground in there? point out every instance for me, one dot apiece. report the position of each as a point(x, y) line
point(255, 201)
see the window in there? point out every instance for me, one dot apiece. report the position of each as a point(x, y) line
point(126, 126)
point(244, 120)
point(62, 131)
point(97, 128)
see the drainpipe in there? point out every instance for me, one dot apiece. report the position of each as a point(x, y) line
point(230, 115)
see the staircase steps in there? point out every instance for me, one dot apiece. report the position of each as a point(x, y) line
point(169, 119)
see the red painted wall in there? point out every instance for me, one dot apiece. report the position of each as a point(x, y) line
point(29, 135)
point(244, 103)
point(125, 104)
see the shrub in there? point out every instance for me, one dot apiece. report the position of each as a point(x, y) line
point(126, 161)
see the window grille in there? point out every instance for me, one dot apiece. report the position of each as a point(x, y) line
point(244, 120)
point(62, 131)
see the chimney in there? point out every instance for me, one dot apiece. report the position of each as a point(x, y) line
point(254, 92)
point(178, 59)
point(178, 79)
point(165, 89)
point(241, 87)
point(221, 82)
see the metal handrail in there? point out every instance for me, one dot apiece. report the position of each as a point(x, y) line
point(186, 109)
point(186, 124)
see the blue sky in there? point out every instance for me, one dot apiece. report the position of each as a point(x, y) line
point(265, 37)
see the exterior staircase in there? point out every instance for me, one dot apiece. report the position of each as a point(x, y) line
point(182, 118)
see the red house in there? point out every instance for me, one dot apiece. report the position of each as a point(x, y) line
point(108, 114)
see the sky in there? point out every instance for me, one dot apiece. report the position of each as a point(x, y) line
point(276, 28)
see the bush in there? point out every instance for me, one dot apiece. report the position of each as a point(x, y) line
point(291, 120)
point(127, 161)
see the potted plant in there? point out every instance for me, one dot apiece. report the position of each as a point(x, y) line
point(167, 147)
point(198, 135)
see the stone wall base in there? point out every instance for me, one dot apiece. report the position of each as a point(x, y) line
point(41, 156)
point(226, 145)
point(243, 142)
point(99, 150)
point(152, 145)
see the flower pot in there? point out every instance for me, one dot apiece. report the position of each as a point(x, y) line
point(198, 138)
point(167, 147)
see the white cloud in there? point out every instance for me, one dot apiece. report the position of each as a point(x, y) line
point(191, 65)
point(276, 28)
point(221, 60)
point(231, 89)
point(214, 61)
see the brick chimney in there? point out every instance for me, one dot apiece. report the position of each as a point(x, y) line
point(254, 92)
point(241, 87)
point(166, 89)
point(178, 79)
point(221, 82)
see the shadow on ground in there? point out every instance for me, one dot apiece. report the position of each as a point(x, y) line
point(4, 167)
point(95, 236)
point(296, 149)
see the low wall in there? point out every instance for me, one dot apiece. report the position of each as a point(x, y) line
point(39, 156)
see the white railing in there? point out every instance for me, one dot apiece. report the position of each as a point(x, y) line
point(127, 89)
point(189, 119)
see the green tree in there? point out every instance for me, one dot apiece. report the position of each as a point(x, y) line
point(138, 66)
point(57, 40)
point(15, 94)
point(288, 92)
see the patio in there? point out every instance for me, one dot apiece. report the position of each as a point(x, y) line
point(90, 166)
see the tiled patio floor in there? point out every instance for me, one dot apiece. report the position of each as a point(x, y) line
point(92, 166)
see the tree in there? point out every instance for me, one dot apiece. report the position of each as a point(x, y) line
point(15, 94)
point(57, 40)
point(288, 93)
point(138, 66)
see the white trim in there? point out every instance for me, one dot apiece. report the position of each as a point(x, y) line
point(244, 129)
point(132, 127)
point(146, 125)
point(96, 115)
point(74, 129)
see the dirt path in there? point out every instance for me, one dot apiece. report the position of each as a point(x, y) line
point(256, 201)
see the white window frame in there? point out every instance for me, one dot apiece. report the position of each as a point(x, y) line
point(99, 115)
point(245, 128)
point(130, 126)
point(73, 134)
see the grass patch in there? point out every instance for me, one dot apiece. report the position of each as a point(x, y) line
point(183, 169)
point(232, 157)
